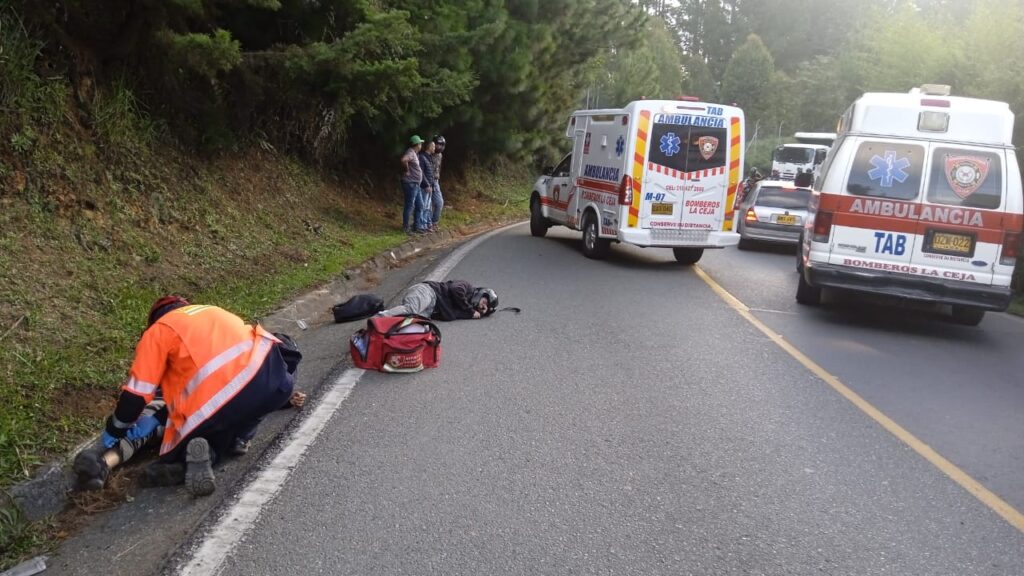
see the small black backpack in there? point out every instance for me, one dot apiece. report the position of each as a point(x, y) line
point(357, 307)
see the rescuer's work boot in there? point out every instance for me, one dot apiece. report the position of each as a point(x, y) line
point(91, 469)
point(199, 468)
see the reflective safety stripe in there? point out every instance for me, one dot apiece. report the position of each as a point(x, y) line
point(221, 397)
point(217, 363)
point(141, 386)
point(193, 310)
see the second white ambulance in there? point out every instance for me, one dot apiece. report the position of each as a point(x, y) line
point(920, 198)
point(656, 173)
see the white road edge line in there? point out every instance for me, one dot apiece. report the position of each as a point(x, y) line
point(442, 270)
point(208, 558)
point(229, 531)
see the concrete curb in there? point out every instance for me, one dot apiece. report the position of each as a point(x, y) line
point(46, 493)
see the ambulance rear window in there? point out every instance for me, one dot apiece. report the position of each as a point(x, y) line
point(688, 148)
point(887, 170)
point(786, 198)
point(968, 178)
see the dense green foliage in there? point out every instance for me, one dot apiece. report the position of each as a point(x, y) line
point(795, 65)
point(350, 80)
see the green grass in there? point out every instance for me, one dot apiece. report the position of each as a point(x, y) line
point(1017, 305)
point(19, 538)
point(76, 290)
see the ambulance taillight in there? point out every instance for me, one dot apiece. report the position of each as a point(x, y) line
point(626, 191)
point(822, 226)
point(1011, 249)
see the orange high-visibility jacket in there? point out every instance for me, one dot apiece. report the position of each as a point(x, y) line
point(201, 356)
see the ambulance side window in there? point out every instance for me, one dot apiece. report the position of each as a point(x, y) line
point(968, 178)
point(887, 170)
point(562, 170)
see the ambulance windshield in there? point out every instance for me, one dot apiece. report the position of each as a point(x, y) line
point(792, 155)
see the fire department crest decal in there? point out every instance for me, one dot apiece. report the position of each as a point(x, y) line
point(707, 145)
point(966, 174)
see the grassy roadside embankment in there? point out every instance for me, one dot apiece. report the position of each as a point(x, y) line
point(96, 221)
point(90, 241)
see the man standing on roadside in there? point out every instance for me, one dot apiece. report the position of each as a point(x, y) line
point(412, 176)
point(437, 200)
point(425, 218)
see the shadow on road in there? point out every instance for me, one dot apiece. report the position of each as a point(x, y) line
point(771, 248)
point(652, 259)
point(896, 316)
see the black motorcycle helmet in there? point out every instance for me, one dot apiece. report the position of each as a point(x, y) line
point(492, 300)
point(438, 143)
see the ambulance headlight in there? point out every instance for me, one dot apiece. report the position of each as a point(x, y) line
point(933, 121)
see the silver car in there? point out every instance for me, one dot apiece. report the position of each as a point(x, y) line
point(774, 211)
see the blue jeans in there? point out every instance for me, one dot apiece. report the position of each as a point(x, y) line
point(411, 190)
point(423, 209)
point(437, 203)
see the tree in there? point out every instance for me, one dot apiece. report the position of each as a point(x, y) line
point(697, 79)
point(708, 29)
point(651, 69)
point(748, 79)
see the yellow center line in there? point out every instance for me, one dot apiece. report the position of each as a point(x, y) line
point(986, 496)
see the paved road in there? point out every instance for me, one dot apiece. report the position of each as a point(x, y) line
point(959, 389)
point(629, 422)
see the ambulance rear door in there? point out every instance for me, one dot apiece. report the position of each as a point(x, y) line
point(960, 232)
point(875, 219)
point(686, 180)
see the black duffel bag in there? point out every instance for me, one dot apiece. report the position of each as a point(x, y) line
point(358, 307)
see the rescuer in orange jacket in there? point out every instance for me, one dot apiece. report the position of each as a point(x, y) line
point(219, 377)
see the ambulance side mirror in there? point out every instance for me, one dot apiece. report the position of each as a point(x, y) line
point(819, 156)
point(804, 180)
point(548, 170)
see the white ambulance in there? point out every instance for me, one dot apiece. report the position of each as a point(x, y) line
point(919, 198)
point(655, 173)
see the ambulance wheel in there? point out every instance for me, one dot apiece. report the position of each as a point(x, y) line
point(967, 315)
point(688, 256)
point(538, 223)
point(807, 294)
point(593, 245)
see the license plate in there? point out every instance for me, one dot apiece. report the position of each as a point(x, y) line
point(787, 219)
point(662, 208)
point(950, 243)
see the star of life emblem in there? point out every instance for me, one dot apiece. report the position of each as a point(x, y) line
point(966, 174)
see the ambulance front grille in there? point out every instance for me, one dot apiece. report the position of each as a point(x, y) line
point(667, 237)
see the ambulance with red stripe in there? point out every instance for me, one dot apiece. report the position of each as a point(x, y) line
point(657, 173)
point(919, 198)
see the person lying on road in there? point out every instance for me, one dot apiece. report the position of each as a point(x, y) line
point(448, 300)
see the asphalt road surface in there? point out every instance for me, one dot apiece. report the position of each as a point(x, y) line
point(630, 422)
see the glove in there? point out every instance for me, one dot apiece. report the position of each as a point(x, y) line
point(111, 433)
point(108, 440)
point(143, 428)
